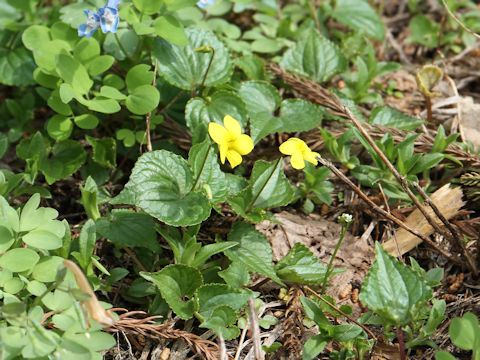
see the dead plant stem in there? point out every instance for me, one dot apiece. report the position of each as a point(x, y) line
point(403, 182)
point(257, 347)
point(315, 15)
point(134, 258)
point(385, 214)
point(449, 226)
point(452, 15)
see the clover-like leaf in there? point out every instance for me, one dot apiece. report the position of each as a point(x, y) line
point(171, 29)
point(139, 75)
point(73, 72)
point(143, 99)
point(19, 259)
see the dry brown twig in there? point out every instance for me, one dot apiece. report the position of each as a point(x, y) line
point(317, 94)
point(385, 214)
point(341, 312)
point(257, 345)
point(453, 236)
point(457, 20)
point(131, 323)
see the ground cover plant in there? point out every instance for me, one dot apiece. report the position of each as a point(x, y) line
point(238, 179)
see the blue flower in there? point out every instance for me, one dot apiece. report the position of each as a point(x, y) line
point(106, 18)
point(92, 24)
point(204, 3)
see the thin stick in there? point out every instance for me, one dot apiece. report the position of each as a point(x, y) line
point(255, 330)
point(240, 342)
point(385, 214)
point(385, 201)
point(315, 15)
point(175, 98)
point(315, 93)
point(134, 258)
point(222, 349)
point(341, 312)
point(452, 15)
point(449, 226)
point(403, 182)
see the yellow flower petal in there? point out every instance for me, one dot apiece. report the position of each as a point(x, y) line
point(232, 125)
point(297, 161)
point(311, 156)
point(223, 149)
point(243, 144)
point(290, 146)
point(217, 132)
point(234, 158)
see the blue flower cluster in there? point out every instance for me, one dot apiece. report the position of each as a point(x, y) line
point(204, 3)
point(106, 18)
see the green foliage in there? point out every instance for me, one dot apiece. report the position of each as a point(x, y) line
point(350, 336)
point(315, 57)
point(268, 187)
point(254, 251)
point(393, 290)
point(183, 67)
point(359, 16)
point(177, 283)
point(316, 189)
point(465, 334)
point(300, 265)
point(80, 111)
point(161, 184)
point(31, 286)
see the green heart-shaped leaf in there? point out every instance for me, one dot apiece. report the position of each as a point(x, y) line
point(161, 184)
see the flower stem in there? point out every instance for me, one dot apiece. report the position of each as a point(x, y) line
point(250, 206)
point(208, 69)
point(329, 267)
point(122, 48)
point(201, 168)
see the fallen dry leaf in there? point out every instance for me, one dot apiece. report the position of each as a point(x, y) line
point(447, 199)
point(321, 236)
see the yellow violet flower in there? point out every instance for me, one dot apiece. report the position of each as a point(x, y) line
point(232, 144)
point(299, 151)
